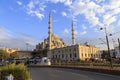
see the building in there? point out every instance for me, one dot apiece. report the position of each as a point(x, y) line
point(24, 54)
point(10, 50)
point(56, 42)
point(56, 49)
point(76, 52)
point(51, 42)
point(117, 52)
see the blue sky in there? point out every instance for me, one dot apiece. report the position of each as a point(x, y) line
point(26, 21)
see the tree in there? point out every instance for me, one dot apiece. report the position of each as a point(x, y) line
point(34, 53)
point(3, 54)
point(14, 55)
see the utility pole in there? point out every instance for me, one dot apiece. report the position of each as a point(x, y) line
point(27, 46)
point(113, 43)
point(119, 45)
point(114, 55)
point(111, 64)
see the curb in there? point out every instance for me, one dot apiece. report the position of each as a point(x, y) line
point(99, 70)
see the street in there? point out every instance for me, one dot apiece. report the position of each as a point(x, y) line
point(68, 74)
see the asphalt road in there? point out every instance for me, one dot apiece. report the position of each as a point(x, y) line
point(68, 74)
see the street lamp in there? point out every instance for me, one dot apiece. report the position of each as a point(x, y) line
point(27, 46)
point(108, 46)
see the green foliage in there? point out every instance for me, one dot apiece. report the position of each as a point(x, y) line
point(19, 71)
point(35, 62)
point(3, 54)
point(116, 65)
point(14, 55)
point(27, 63)
point(34, 54)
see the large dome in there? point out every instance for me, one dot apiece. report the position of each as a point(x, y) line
point(56, 42)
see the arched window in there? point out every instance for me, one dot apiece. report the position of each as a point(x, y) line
point(82, 54)
point(70, 55)
point(75, 55)
point(59, 56)
point(85, 55)
point(62, 55)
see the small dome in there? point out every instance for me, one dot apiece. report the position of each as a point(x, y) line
point(87, 43)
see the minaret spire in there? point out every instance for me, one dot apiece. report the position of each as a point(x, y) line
point(50, 29)
point(73, 35)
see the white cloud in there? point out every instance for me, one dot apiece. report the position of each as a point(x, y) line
point(113, 4)
point(118, 23)
point(39, 15)
point(111, 29)
point(96, 30)
point(31, 5)
point(64, 14)
point(19, 3)
point(36, 13)
point(93, 10)
point(110, 20)
point(106, 16)
point(54, 11)
point(84, 27)
point(56, 1)
point(66, 31)
point(8, 39)
point(96, 12)
point(4, 33)
point(36, 8)
point(83, 33)
point(76, 32)
point(68, 2)
point(88, 8)
point(27, 39)
point(110, 16)
point(65, 2)
point(98, 1)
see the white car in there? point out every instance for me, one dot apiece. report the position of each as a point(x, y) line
point(45, 61)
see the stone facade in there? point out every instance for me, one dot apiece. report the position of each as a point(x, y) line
point(24, 54)
point(10, 50)
point(76, 52)
point(43, 47)
point(55, 48)
point(56, 42)
point(117, 52)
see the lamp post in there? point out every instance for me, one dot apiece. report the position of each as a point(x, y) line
point(114, 55)
point(27, 46)
point(119, 45)
point(108, 46)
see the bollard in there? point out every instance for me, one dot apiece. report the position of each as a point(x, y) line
point(9, 77)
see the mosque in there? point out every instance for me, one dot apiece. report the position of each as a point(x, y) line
point(56, 49)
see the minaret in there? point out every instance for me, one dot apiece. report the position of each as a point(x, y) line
point(50, 30)
point(73, 35)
